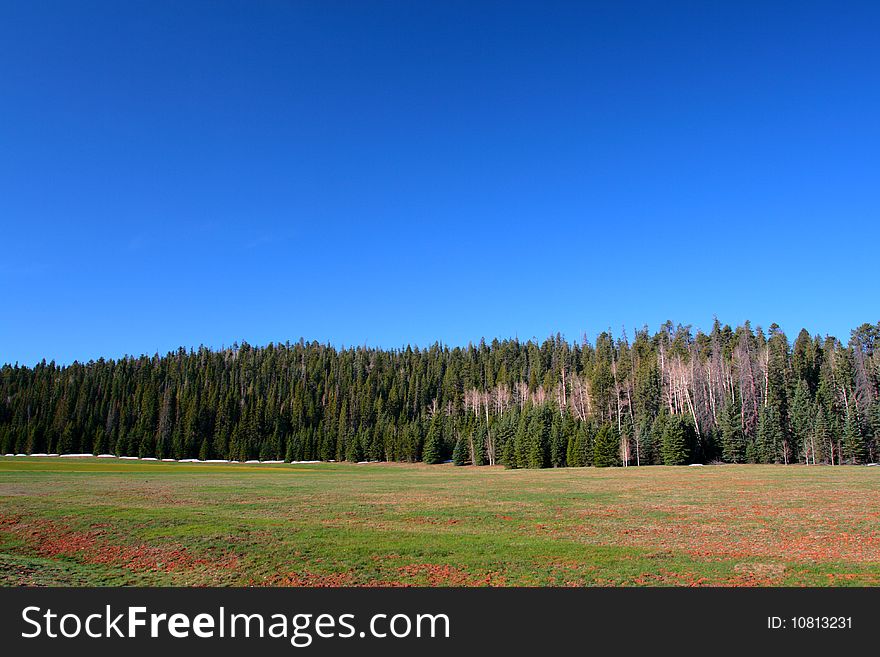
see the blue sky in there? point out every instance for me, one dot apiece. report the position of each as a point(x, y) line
point(185, 173)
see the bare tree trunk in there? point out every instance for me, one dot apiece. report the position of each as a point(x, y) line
point(693, 412)
point(490, 444)
point(564, 396)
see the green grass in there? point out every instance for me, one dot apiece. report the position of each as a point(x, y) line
point(108, 522)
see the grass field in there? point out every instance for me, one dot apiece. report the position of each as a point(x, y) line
point(108, 522)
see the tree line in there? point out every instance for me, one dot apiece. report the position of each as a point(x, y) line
point(672, 397)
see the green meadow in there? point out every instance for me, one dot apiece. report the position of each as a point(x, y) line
point(73, 522)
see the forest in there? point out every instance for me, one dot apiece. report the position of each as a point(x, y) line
point(673, 397)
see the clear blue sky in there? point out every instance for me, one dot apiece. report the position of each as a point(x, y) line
point(185, 173)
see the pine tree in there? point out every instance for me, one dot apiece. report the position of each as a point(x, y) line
point(606, 447)
point(177, 449)
point(504, 432)
point(573, 456)
point(675, 441)
point(854, 444)
point(558, 442)
point(521, 441)
point(587, 439)
point(732, 440)
point(460, 453)
point(290, 454)
point(234, 440)
point(354, 453)
point(204, 450)
point(874, 446)
point(802, 420)
point(657, 429)
point(433, 451)
point(479, 446)
point(770, 436)
point(646, 442)
point(538, 452)
point(509, 455)
point(146, 447)
point(100, 442)
point(821, 435)
point(65, 446)
point(777, 394)
point(310, 401)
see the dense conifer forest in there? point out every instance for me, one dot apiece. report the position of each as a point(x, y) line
point(673, 397)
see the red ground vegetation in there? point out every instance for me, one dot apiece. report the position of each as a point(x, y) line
point(52, 539)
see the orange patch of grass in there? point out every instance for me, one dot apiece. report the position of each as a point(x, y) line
point(51, 539)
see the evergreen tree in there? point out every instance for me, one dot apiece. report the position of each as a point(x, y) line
point(874, 445)
point(580, 448)
point(354, 452)
point(290, 454)
point(770, 436)
point(538, 453)
point(646, 442)
point(307, 401)
point(606, 447)
point(854, 445)
point(587, 438)
point(509, 455)
point(204, 450)
point(65, 446)
point(558, 442)
point(504, 432)
point(802, 420)
point(821, 435)
point(657, 428)
point(460, 453)
point(146, 447)
point(100, 442)
point(521, 441)
point(675, 442)
point(479, 441)
point(732, 440)
point(433, 451)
